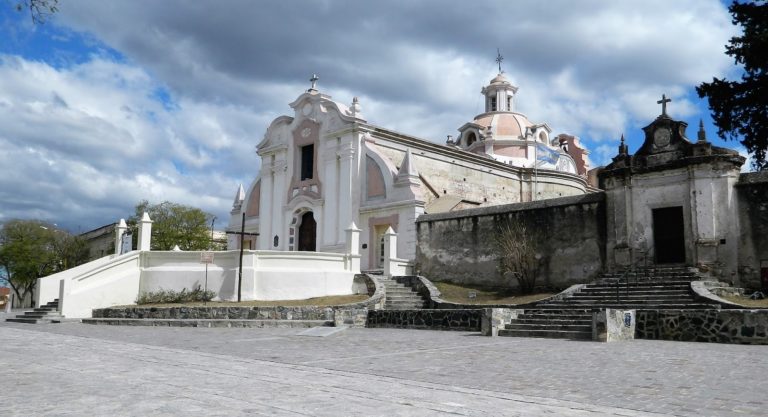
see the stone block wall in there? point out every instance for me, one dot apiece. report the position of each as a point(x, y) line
point(464, 320)
point(720, 326)
point(461, 247)
point(752, 195)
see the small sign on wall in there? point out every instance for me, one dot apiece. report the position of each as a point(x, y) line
point(126, 243)
point(206, 257)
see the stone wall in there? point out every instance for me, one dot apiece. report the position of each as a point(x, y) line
point(460, 246)
point(352, 315)
point(720, 326)
point(464, 320)
point(752, 193)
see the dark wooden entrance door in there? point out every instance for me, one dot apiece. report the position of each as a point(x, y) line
point(669, 235)
point(307, 232)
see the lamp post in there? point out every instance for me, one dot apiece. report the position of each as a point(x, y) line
point(213, 220)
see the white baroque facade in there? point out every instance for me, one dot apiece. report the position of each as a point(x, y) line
point(325, 168)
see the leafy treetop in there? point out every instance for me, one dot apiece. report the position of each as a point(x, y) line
point(740, 108)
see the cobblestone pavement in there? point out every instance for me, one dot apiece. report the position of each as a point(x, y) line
point(83, 370)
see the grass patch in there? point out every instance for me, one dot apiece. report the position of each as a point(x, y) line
point(317, 301)
point(746, 302)
point(460, 294)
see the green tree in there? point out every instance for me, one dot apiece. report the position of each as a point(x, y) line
point(740, 108)
point(174, 224)
point(32, 249)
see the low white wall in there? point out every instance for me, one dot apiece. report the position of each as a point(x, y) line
point(267, 275)
point(48, 287)
point(301, 275)
point(116, 283)
point(179, 270)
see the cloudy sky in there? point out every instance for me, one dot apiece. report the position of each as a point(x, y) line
point(112, 102)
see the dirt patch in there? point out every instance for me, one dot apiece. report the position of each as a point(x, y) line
point(484, 295)
point(746, 302)
point(317, 301)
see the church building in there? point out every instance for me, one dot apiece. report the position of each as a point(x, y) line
point(325, 167)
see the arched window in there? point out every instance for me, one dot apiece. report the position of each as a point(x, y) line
point(471, 138)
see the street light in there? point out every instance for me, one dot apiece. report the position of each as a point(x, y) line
point(213, 220)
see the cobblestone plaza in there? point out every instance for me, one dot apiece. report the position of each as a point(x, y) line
point(74, 369)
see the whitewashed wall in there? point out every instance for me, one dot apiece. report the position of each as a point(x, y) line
point(267, 275)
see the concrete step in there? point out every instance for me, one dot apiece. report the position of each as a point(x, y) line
point(35, 320)
point(670, 289)
point(404, 298)
point(676, 285)
point(552, 321)
point(566, 327)
point(414, 304)
point(209, 323)
point(552, 334)
point(36, 315)
point(629, 299)
point(631, 306)
point(398, 290)
point(636, 293)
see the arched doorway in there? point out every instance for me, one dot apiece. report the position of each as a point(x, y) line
point(307, 232)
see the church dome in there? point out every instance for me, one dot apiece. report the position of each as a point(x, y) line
point(504, 125)
point(500, 79)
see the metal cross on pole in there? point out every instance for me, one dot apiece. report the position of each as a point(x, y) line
point(664, 100)
point(240, 270)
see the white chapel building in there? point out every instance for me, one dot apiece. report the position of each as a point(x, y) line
point(326, 167)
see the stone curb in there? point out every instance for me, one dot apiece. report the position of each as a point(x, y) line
point(209, 323)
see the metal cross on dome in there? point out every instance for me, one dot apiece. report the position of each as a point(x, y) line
point(664, 100)
point(313, 80)
point(499, 58)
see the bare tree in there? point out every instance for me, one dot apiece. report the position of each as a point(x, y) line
point(517, 254)
point(39, 10)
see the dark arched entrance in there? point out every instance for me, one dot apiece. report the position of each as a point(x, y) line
point(307, 232)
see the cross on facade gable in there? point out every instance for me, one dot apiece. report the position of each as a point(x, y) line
point(664, 100)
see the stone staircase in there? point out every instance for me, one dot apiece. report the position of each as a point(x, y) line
point(651, 288)
point(46, 314)
point(399, 296)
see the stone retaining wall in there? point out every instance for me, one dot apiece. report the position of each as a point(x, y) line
point(339, 315)
point(353, 314)
point(460, 247)
point(720, 326)
point(464, 320)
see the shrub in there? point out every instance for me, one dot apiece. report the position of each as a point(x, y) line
point(170, 296)
point(517, 254)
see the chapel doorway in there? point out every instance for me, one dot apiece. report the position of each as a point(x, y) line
point(669, 235)
point(378, 247)
point(308, 233)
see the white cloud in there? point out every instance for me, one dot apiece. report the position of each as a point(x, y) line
point(92, 133)
point(82, 145)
